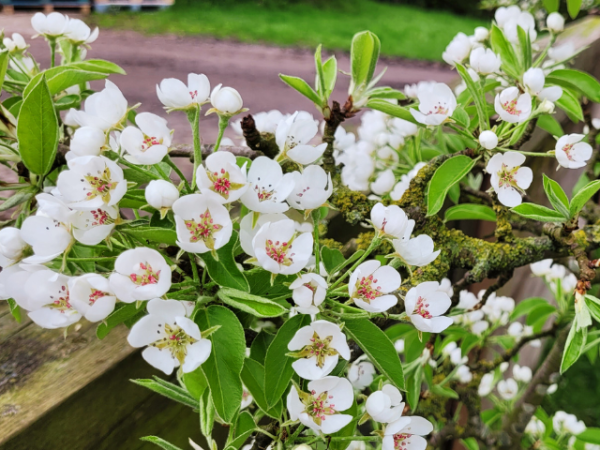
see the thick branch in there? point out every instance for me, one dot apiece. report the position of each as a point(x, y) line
point(264, 142)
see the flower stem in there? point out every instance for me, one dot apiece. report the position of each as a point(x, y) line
point(539, 155)
point(374, 244)
point(52, 44)
point(316, 215)
point(223, 122)
point(179, 173)
point(194, 119)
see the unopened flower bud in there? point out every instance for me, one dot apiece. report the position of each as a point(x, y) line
point(481, 34)
point(161, 194)
point(488, 140)
point(555, 22)
point(226, 100)
point(547, 107)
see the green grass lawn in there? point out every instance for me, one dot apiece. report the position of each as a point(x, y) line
point(404, 30)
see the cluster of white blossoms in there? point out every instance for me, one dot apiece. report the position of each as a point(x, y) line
point(562, 426)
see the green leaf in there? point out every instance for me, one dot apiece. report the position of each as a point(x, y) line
point(278, 366)
point(582, 197)
point(469, 342)
point(413, 384)
point(15, 310)
point(504, 48)
point(253, 376)
point(18, 198)
point(152, 235)
point(443, 391)
point(573, 348)
point(386, 92)
point(537, 212)
point(525, 45)
point(526, 306)
point(160, 442)
point(470, 211)
point(348, 430)
point(391, 109)
point(476, 94)
point(168, 390)
point(226, 360)
point(98, 65)
point(330, 75)
point(122, 312)
point(72, 77)
point(243, 430)
point(320, 78)
point(449, 173)
point(260, 345)
point(224, 270)
point(557, 196)
point(470, 443)
point(378, 347)
point(576, 80)
point(550, 124)
point(331, 258)
point(570, 104)
point(301, 86)
point(591, 435)
point(551, 5)
point(461, 117)
point(574, 6)
point(195, 383)
point(207, 414)
point(37, 130)
point(4, 58)
point(364, 53)
point(252, 304)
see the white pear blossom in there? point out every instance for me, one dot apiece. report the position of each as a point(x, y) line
point(555, 22)
point(92, 182)
point(522, 373)
point(268, 187)
point(418, 251)
point(79, 33)
point(140, 274)
point(370, 286)
point(463, 374)
point(312, 188)
point(247, 398)
point(91, 296)
point(524, 20)
point(173, 93)
point(562, 52)
point(92, 227)
point(567, 423)
point(319, 346)
point(52, 26)
point(16, 44)
point(436, 103)
point(308, 292)
point(535, 427)
point(221, 175)
point(361, 374)
point(467, 300)
point(358, 168)
point(512, 106)
point(425, 305)
point(226, 100)
point(481, 34)
point(484, 61)
point(161, 194)
point(407, 433)
point(384, 182)
point(457, 50)
point(248, 229)
point(150, 142)
point(505, 14)
point(319, 408)
point(509, 179)
point(293, 136)
point(541, 268)
point(46, 297)
point(399, 345)
point(534, 80)
point(106, 109)
point(203, 223)
point(386, 405)
point(486, 385)
point(170, 338)
point(390, 221)
point(279, 248)
point(12, 245)
point(571, 153)
point(488, 139)
point(507, 389)
point(87, 141)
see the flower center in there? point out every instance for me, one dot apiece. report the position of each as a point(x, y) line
point(95, 295)
point(100, 186)
point(318, 406)
point(506, 176)
point(263, 194)
point(439, 109)
point(203, 230)
point(301, 194)
point(421, 308)
point(101, 217)
point(61, 303)
point(567, 149)
point(150, 141)
point(222, 185)
point(511, 107)
point(175, 340)
point(318, 348)
point(279, 252)
point(148, 276)
point(194, 94)
point(401, 441)
point(366, 289)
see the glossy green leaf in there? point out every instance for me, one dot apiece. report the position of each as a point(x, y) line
point(224, 270)
point(470, 211)
point(576, 80)
point(386, 92)
point(582, 197)
point(444, 391)
point(525, 44)
point(348, 430)
point(391, 109)
point(243, 430)
point(331, 258)
point(476, 95)
point(72, 77)
point(378, 347)
point(551, 5)
point(252, 304)
point(37, 130)
point(160, 442)
point(448, 174)
point(253, 376)
point(226, 360)
point(301, 86)
point(470, 443)
point(550, 124)
point(195, 382)
point(573, 347)
point(574, 6)
point(278, 366)
point(364, 53)
point(168, 390)
point(557, 196)
point(590, 435)
point(122, 312)
point(330, 74)
point(207, 414)
point(570, 104)
point(413, 384)
point(538, 212)
point(15, 310)
point(152, 235)
point(526, 306)
point(4, 58)
point(260, 345)
point(461, 117)
point(504, 48)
